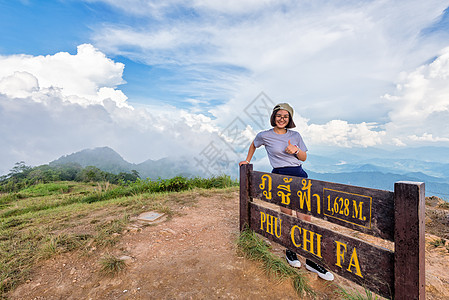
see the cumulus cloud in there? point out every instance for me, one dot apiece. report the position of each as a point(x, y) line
point(88, 77)
point(420, 103)
point(19, 85)
point(342, 134)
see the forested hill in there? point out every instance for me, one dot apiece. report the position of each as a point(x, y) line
point(103, 158)
point(108, 160)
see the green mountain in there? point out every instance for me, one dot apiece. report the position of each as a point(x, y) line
point(108, 160)
point(103, 158)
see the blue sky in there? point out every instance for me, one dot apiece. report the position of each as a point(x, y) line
point(153, 79)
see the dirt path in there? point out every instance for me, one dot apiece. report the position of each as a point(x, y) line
point(192, 256)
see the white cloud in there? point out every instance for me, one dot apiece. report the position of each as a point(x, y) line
point(428, 138)
point(342, 134)
point(159, 9)
point(41, 122)
point(420, 104)
point(86, 78)
point(19, 85)
point(397, 142)
point(38, 132)
point(43, 116)
point(141, 7)
point(320, 55)
point(330, 60)
point(113, 37)
point(236, 6)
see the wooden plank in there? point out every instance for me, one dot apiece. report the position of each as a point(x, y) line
point(409, 244)
point(370, 211)
point(245, 171)
point(367, 265)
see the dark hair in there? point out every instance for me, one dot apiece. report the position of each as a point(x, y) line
point(290, 123)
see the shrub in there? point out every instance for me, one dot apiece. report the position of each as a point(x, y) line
point(111, 265)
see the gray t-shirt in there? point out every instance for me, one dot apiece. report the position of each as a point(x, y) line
point(275, 145)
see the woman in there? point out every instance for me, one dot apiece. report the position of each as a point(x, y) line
point(286, 152)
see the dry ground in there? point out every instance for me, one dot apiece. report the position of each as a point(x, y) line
point(191, 256)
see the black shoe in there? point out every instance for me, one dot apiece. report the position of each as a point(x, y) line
point(292, 259)
point(322, 272)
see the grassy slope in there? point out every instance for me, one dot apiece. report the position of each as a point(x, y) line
point(47, 219)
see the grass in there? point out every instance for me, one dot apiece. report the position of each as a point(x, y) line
point(438, 243)
point(56, 244)
point(355, 295)
point(46, 189)
point(45, 220)
point(108, 232)
point(254, 248)
point(444, 205)
point(111, 265)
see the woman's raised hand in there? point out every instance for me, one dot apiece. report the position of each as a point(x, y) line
point(291, 149)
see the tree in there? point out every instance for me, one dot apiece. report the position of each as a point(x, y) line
point(91, 173)
point(136, 174)
point(20, 170)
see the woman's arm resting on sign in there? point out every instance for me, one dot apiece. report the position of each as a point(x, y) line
point(251, 151)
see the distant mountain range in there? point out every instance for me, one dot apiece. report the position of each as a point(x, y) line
point(374, 168)
point(108, 160)
point(380, 169)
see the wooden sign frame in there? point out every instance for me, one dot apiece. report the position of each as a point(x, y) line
point(395, 216)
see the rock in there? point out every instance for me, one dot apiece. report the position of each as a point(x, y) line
point(433, 201)
point(126, 258)
point(168, 230)
point(151, 217)
point(135, 229)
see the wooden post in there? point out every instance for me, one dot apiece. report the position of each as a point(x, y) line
point(244, 195)
point(409, 240)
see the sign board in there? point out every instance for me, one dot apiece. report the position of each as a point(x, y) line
point(395, 216)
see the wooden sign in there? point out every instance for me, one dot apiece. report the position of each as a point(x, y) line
point(346, 205)
point(397, 217)
point(349, 257)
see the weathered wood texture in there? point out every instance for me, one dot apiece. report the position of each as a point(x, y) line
point(371, 266)
point(409, 240)
point(366, 210)
point(245, 198)
point(398, 217)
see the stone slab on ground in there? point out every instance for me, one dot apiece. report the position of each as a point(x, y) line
point(150, 216)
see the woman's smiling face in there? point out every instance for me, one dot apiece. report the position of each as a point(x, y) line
point(282, 118)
